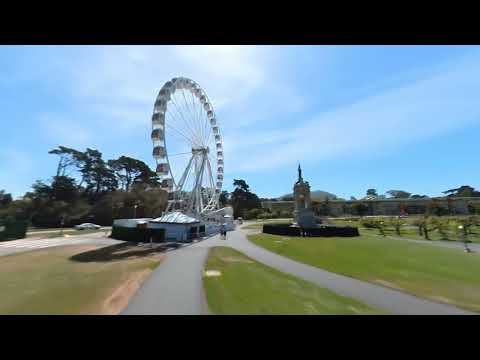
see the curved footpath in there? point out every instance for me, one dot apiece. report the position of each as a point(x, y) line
point(175, 287)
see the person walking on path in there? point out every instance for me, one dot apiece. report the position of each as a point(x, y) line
point(223, 231)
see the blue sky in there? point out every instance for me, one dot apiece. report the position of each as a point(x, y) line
point(356, 117)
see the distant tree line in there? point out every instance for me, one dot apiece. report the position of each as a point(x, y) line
point(87, 188)
point(462, 191)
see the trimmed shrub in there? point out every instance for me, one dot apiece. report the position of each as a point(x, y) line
point(138, 234)
point(13, 229)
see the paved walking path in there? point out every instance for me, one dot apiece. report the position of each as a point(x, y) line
point(176, 287)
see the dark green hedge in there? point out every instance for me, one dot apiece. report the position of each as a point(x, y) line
point(320, 231)
point(138, 235)
point(13, 229)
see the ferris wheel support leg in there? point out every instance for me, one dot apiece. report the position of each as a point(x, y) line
point(197, 188)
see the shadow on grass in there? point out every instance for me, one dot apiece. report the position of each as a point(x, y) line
point(118, 252)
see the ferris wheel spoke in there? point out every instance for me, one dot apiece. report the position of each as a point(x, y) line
point(206, 127)
point(190, 111)
point(193, 132)
point(210, 133)
point(194, 139)
point(189, 122)
point(199, 110)
point(195, 109)
point(178, 154)
point(173, 119)
point(180, 133)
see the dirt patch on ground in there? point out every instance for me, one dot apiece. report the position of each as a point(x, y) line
point(235, 259)
point(120, 297)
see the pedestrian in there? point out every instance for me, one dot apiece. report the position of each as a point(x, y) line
point(223, 230)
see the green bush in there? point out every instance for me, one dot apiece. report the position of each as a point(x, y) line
point(138, 234)
point(265, 216)
point(13, 229)
point(252, 214)
point(285, 214)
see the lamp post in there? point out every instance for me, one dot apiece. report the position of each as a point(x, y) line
point(135, 211)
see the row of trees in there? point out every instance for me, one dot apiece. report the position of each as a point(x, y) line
point(86, 187)
point(462, 191)
point(448, 228)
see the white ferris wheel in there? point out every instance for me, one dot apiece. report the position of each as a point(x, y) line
point(187, 147)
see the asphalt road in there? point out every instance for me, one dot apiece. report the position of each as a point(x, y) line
point(175, 287)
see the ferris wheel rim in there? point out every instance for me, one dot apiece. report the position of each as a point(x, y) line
point(169, 89)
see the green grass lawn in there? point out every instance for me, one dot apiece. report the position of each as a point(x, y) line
point(247, 287)
point(94, 281)
point(441, 274)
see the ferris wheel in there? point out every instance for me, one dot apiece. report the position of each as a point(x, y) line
point(187, 147)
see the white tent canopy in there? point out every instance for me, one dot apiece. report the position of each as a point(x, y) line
point(176, 218)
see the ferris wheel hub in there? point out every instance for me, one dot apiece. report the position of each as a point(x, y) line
point(200, 150)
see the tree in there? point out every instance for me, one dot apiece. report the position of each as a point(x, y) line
point(224, 198)
point(5, 199)
point(129, 171)
point(398, 194)
point(417, 196)
point(372, 192)
point(375, 223)
point(324, 208)
point(426, 225)
point(442, 225)
point(63, 188)
point(360, 209)
point(240, 184)
point(434, 208)
point(68, 157)
point(97, 176)
point(397, 224)
point(463, 191)
point(47, 204)
point(466, 224)
point(242, 199)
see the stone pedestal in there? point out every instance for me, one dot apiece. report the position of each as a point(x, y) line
point(305, 218)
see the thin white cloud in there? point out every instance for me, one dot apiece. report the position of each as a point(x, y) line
point(425, 108)
point(259, 103)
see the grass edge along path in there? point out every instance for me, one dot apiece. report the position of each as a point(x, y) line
point(440, 274)
point(247, 287)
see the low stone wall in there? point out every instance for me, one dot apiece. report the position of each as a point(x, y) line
point(320, 231)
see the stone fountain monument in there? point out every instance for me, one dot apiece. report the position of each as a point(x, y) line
point(306, 223)
point(303, 213)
